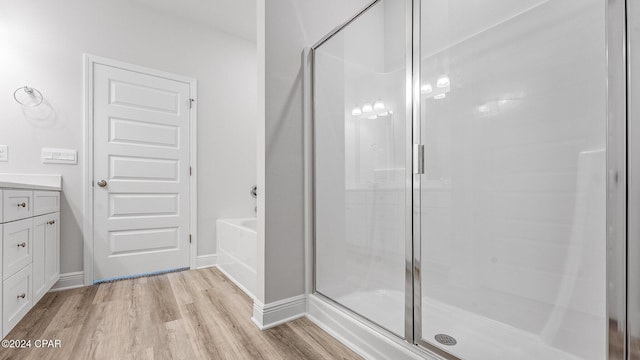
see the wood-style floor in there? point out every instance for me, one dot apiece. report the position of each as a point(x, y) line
point(196, 314)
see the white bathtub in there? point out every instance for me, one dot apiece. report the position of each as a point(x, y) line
point(237, 249)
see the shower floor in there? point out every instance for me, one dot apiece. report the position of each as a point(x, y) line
point(477, 337)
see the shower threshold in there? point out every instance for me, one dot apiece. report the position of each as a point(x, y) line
point(477, 337)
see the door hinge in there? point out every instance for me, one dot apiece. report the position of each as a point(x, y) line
point(190, 171)
point(189, 238)
point(418, 159)
point(191, 103)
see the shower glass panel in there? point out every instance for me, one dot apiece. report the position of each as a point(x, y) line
point(360, 145)
point(513, 199)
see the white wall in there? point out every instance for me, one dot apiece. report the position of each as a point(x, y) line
point(289, 26)
point(41, 45)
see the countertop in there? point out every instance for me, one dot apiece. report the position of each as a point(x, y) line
point(31, 182)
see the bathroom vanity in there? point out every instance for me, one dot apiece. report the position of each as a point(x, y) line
point(30, 234)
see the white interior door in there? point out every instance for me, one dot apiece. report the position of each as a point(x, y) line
point(141, 173)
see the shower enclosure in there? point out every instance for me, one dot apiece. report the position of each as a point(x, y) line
point(469, 176)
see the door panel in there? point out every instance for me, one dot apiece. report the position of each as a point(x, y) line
point(143, 133)
point(148, 240)
point(141, 141)
point(134, 205)
point(148, 96)
point(142, 168)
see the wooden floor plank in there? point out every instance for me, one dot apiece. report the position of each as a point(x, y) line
point(201, 334)
point(162, 300)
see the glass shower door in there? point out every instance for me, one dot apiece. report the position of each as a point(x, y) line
point(360, 169)
point(512, 112)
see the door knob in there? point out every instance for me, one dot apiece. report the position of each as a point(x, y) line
point(102, 183)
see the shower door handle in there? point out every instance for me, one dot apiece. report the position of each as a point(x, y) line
point(418, 159)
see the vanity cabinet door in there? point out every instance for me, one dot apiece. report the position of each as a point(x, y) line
point(39, 230)
point(46, 254)
point(52, 250)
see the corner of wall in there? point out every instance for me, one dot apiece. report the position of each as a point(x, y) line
point(261, 148)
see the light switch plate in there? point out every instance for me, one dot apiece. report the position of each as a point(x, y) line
point(59, 156)
point(4, 153)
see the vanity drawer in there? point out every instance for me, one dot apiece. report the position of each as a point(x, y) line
point(17, 204)
point(45, 202)
point(16, 299)
point(16, 246)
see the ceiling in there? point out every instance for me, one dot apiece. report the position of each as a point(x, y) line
point(236, 17)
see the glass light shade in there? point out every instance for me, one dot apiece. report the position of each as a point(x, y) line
point(356, 111)
point(378, 105)
point(440, 96)
point(367, 108)
point(426, 88)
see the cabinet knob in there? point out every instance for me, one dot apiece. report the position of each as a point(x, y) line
point(22, 244)
point(23, 204)
point(102, 183)
point(22, 296)
point(51, 222)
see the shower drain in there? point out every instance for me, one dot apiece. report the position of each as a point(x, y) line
point(445, 339)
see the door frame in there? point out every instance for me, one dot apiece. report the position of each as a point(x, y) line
point(89, 62)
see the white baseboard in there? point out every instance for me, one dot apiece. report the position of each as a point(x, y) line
point(205, 261)
point(68, 281)
point(362, 338)
point(266, 316)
